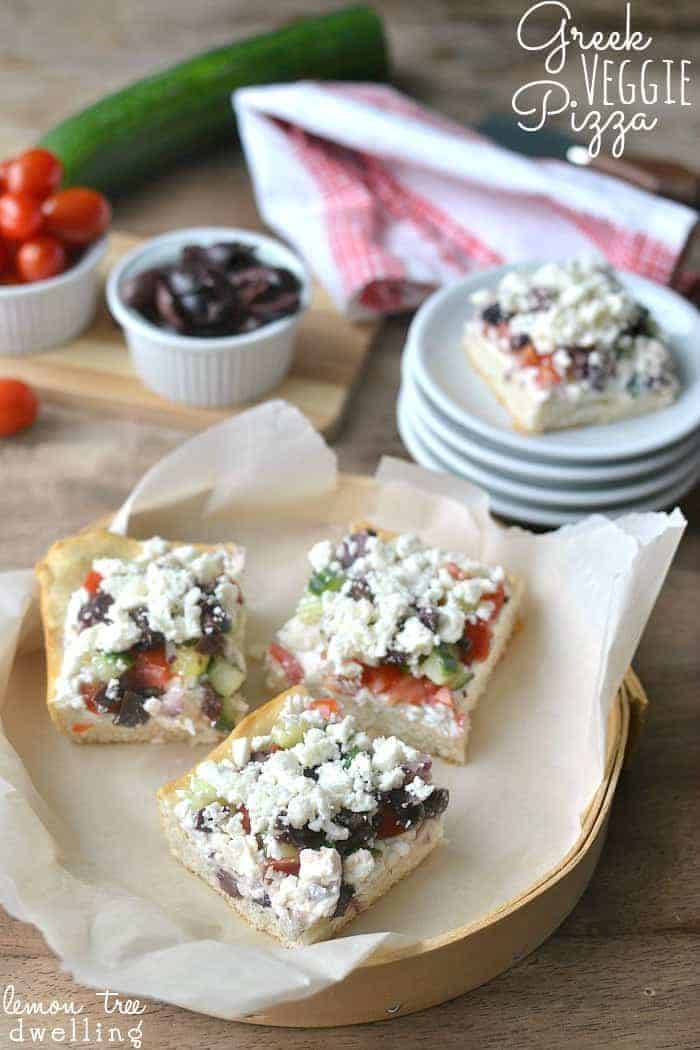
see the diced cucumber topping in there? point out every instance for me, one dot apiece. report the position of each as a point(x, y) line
point(460, 678)
point(230, 712)
point(201, 793)
point(442, 664)
point(110, 665)
point(287, 736)
point(325, 580)
point(188, 663)
point(224, 677)
point(310, 609)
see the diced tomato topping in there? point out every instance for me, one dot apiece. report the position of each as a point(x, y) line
point(443, 696)
point(398, 686)
point(288, 662)
point(92, 582)
point(88, 693)
point(528, 357)
point(497, 598)
point(389, 825)
point(150, 670)
point(326, 706)
point(479, 634)
point(245, 819)
point(454, 570)
point(81, 727)
point(289, 865)
point(547, 374)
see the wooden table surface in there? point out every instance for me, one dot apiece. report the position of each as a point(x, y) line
point(623, 970)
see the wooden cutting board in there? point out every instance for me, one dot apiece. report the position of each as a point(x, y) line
point(95, 372)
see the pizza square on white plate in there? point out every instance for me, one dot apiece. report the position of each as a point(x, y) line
point(300, 821)
point(404, 634)
point(567, 345)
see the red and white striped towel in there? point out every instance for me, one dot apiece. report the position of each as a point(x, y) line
point(387, 200)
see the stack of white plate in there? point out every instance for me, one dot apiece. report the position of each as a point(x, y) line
point(450, 421)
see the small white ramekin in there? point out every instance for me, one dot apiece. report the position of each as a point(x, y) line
point(201, 371)
point(44, 314)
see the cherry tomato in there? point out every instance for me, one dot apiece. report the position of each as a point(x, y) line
point(92, 582)
point(4, 165)
point(36, 172)
point(77, 215)
point(150, 670)
point(4, 257)
point(327, 706)
point(18, 406)
point(41, 258)
point(245, 819)
point(288, 662)
point(20, 216)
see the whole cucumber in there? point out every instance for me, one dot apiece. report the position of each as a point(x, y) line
point(131, 134)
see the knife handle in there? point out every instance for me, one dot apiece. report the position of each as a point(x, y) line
point(664, 177)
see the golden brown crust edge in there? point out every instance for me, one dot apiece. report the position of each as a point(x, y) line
point(60, 572)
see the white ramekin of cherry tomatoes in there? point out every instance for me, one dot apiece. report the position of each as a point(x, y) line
point(51, 245)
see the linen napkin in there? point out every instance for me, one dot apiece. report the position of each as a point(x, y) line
point(387, 200)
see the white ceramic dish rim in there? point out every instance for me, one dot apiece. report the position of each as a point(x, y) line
point(545, 446)
point(92, 256)
point(516, 461)
point(526, 513)
point(129, 265)
point(591, 499)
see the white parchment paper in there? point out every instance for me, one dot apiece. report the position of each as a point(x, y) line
point(81, 853)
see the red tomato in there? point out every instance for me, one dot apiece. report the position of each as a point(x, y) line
point(326, 706)
point(92, 582)
point(150, 670)
point(81, 727)
point(454, 570)
point(289, 865)
point(398, 686)
point(288, 662)
point(18, 406)
point(36, 172)
point(529, 358)
point(20, 216)
point(88, 693)
point(77, 215)
point(245, 819)
point(497, 598)
point(547, 374)
point(41, 258)
point(4, 165)
point(479, 634)
point(389, 825)
point(4, 257)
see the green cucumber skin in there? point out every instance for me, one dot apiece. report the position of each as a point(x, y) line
point(130, 135)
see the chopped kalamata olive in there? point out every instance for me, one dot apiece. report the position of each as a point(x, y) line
point(362, 828)
point(149, 639)
point(210, 703)
point(360, 589)
point(519, 342)
point(437, 802)
point(139, 291)
point(493, 314)
point(131, 711)
point(429, 616)
point(406, 810)
point(218, 290)
point(353, 547)
point(303, 837)
point(95, 610)
point(227, 882)
point(166, 304)
point(347, 892)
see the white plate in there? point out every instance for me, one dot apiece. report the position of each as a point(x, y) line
point(524, 468)
point(590, 499)
point(528, 513)
point(434, 356)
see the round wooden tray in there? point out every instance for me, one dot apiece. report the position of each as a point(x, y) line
point(401, 981)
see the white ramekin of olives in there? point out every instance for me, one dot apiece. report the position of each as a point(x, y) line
point(210, 314)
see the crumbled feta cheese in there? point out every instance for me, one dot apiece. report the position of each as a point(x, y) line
point(240, 751)
point(358, 867)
